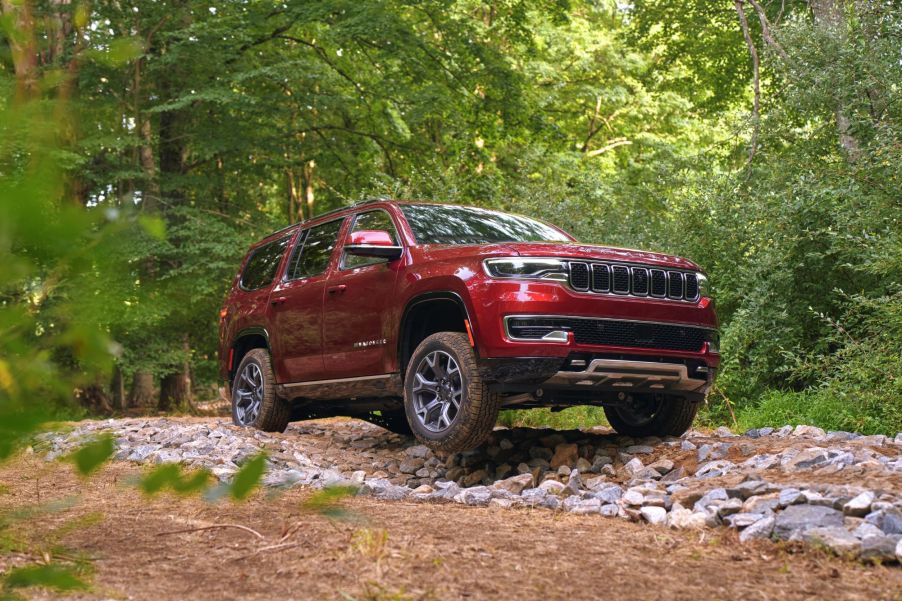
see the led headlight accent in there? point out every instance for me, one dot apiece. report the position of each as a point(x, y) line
point(527, 268)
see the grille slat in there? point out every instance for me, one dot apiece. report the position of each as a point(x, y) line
point(621, 279)
point(675, 285)
point(614, 332)
point(601, 278)
point(636, 281)
point(640, 281)
point(579, 275)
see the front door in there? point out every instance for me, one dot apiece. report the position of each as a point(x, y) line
point(296, 305)
point(357, 317)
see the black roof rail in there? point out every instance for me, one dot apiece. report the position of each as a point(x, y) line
point(359, 203)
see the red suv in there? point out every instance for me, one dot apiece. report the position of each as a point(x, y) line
point(430, 318)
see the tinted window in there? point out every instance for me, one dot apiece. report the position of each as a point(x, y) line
point(443, 224)
point(261, 267)
point(372, 220)
point(315, 250)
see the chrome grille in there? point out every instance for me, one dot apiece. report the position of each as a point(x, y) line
point(608, 278)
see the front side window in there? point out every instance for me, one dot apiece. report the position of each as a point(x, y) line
point(446, 224)
point(262, 265)
point(371, 220)
point(314, 250)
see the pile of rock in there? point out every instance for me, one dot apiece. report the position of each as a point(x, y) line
point(795, 484)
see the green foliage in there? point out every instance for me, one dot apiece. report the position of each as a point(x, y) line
point(170, 476)
point(52, 576)
point(327, 502)
point(89, 457)
point(568, 419)
point(247, 478)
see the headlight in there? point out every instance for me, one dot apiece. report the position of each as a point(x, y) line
point(704, 286)
point(527, 269)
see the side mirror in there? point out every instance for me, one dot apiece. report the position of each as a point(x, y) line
point(373, 243)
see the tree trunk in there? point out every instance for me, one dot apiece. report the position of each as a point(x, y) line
point(830, 17)
point(117, 390)
point(141, 394)
point(175, 388)
point(22, 48)
point(308, 186)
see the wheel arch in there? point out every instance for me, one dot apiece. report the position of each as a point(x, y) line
point(446, 311)
point(246, 340)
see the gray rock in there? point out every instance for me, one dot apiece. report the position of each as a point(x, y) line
point(600, 461)
point(724, 432)
point(888, 520)
point(714, 469)
point(729, 507)
point(742, 520)
point(796, 519)
point(899, 546)
point(790, 496)
point(684, 519)
point(639, 450)
point(654, 515)
point(709, 498)
point(419, 451)
point(662, 466)
point(762, 529)
point(582, 507)
point(609, 494)
point(633, 466)
point(632, 497)
point(477, 495)
point(875, 440)
point(804, 459)
point(552, 487)
point(765, 504)
point(880, 548)
point(574, 483)
point(864, 530)
point(836, 539)
point(515, 484)
point(782, 432)
point(809, 431)
point(609, 511)
point(839, 436)
point(704, 452)
point(685, 445)
point(860, 506)
point(765, 431)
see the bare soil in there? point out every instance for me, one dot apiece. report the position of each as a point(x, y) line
point(394, 550)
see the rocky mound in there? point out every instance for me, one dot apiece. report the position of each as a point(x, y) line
point(839, 490)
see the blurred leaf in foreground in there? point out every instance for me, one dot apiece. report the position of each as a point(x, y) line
point(91, 456)
point(170, 476)
point(248, 477)
point(52, 576)
point(327, 502)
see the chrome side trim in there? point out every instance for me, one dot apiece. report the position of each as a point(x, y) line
point(337, 381)
point(629, 375)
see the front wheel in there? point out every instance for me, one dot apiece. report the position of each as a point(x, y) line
point(653, 416)
point(447, 404)
point(254, 400)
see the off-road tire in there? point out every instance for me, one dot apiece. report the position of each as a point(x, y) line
point(479, 406)
point(274, 413)
point(673, 418)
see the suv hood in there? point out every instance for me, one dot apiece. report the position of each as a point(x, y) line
point(598, 253)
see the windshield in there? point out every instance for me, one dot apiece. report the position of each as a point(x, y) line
point(444, 224)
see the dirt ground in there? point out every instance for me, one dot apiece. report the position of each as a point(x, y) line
point(393, 551)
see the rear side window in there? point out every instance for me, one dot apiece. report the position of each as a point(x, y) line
point(312, 254)
point(262, 265)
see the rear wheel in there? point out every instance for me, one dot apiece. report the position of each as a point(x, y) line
point(449, 408)
point(254, 400)
point(655, 415)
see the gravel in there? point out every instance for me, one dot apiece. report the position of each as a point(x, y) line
point(795, 484)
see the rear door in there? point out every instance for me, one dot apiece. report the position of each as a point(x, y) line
point(357, 310)
point(296, 305)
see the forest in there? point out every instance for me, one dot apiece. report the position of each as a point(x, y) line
point(145, 145)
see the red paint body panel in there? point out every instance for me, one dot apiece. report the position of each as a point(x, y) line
point(313, 333)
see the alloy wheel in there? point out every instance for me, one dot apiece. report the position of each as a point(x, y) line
point(437, 391)
point(249, 393)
